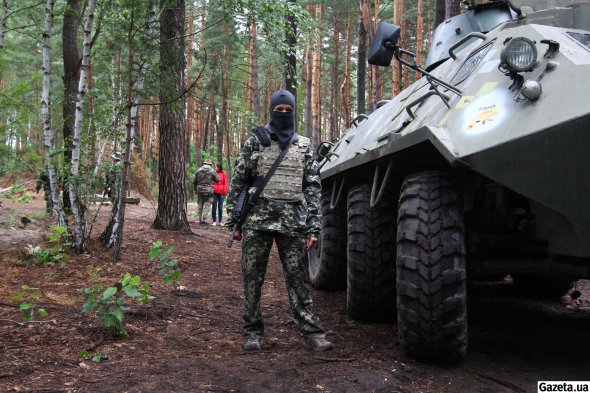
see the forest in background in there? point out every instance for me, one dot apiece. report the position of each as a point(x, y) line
point(165, 84)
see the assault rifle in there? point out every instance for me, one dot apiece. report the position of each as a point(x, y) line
point(239, 214)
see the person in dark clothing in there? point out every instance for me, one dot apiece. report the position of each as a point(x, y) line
point(287, 213)
point(43, 182)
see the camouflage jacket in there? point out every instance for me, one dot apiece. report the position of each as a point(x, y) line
point(204, 179)
point(301, 218)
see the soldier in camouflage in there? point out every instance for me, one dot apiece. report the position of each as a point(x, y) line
point(287, 213)
point(203, 183)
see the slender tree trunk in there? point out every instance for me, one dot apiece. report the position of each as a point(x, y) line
point(3, 18)
point(452, 8)
point(419, 36)
point(308, 83)
point(71, 60)
point(290, 59)
point(225, 87)
point(172, 200)
point(48, 134)
point(113, 233)
point(439, 14)
point(345, 88)
point(74, 181)
point(253, 88)
point(376, 94)
point(315, 84)
point(334, 129)
point(190, 96)
point(361, 74)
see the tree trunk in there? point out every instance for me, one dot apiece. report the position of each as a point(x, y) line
point(419, 36)
point(191, 94)
point(334, 129)
point(396, 71)
point(225, 87)
point(439, 14)
point(74, 180)
point(113, 233)
point(172, 199)
point(254, 89)
point(316, 107)
point(48, 134)
point(71, 78)
point(452, 8)
point(345, 88)
point(290, 59)
point(376, 94)
point(308, 82)
point(3, 17)
point(361, 74)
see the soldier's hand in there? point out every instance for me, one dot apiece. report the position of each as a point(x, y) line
point(238, 235)
point(310, 242)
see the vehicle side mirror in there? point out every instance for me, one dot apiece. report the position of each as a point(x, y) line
point(384, 44)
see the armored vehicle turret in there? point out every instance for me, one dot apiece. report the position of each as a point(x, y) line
point(480, 169)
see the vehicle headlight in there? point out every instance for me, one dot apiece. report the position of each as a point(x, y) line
point(519, 54)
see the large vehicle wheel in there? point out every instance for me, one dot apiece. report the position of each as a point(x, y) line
point(431, 275)
point(371, 257)
point(327, 260)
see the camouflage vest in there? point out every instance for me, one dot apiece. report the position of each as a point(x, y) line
point(286, 184)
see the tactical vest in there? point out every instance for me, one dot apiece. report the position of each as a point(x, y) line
point(286, 184)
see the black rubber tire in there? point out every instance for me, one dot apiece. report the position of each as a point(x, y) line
point(371, 257)
point(540, 287)
point(327, 260)
point(431, 274)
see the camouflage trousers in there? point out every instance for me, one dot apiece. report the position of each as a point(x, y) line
point(204, 206)
point(256, 247)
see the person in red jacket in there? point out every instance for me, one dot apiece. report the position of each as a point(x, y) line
point(219, 192)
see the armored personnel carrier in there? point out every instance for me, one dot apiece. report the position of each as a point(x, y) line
point(478, 170)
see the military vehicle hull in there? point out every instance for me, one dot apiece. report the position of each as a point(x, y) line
point(477, 170)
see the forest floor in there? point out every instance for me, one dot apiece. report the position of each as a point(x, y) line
point(190, 340)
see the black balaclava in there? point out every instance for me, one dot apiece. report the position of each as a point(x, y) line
point(282, 124)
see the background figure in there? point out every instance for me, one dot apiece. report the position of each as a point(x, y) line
point(43, 181)
point(203, 183)
point(219, 192)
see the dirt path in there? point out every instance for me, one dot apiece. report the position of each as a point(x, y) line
point(190, 341)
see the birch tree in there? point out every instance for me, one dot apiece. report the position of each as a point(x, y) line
point(74, 181)
point(49, 138)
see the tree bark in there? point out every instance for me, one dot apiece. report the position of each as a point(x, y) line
point(419, 36)
point(439, 14)
point(71, 59)
point(48, 134)
point(452, 8)
point(172, 199)
point(345, 88)
point(315, 84)
point(334, 126)
point(308, 82)
point(74, 180)
point(3, 18)
point(254, 89)
point(290, 59)
point(361, 74)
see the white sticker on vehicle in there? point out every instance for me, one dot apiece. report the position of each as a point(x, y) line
point(484, 113)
